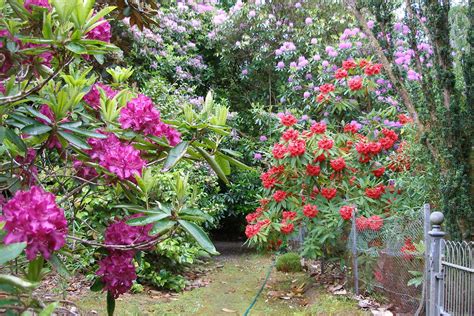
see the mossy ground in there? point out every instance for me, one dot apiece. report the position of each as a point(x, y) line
point(230, 292)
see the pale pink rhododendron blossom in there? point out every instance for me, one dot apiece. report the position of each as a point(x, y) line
point(119, 158)
point(92, 98)
point(141, 115)
point(34, 217)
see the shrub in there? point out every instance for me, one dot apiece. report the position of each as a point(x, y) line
point(289, 262)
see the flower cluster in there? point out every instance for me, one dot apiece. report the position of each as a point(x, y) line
point(92, 98)
point(140, 114)
point(119, 158)
point(374, 222)
point(34, 217)
point(28, 4)
point(102, 32)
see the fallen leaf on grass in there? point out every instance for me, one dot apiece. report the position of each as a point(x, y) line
point(226, 310)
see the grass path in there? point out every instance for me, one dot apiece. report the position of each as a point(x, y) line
point(230, 292)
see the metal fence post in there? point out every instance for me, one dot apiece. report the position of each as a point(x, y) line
point(436, 273)
point(354, 253)
point(427, 241)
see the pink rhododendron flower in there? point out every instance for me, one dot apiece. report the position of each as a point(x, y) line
point(39, 3)
point(28, 170)
point(84, 171)
point(117, 272)
point(140, 114)
point(120, 233)
point(34, 217)
point(121, 159)
point(93, 96)
point(101, 32)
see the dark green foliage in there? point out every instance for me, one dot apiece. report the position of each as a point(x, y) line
point(289, 262)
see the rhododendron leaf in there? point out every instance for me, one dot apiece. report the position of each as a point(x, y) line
point(10, 252)
point(93, 21)
point(74, 140)
point(174, 155)
point(199, 235)
point(23, 119)
point(97, 286)
point(49, 309)
point(15, 139)
point(140, 221)
point(195, 215)
point(110, 304)
point(17, 282)
point(234, 161)
point(77, 48)
point(2, 134)
point(36, 129)
point(213, 164)
point(39, 115)
point(224, 164)
point(161, 227)
point(84, 132)
point(59, 266)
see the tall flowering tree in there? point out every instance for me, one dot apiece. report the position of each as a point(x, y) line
point(323, 171)
point(64, 130)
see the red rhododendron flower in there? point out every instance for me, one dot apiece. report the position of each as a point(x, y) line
point(289, 215)
point(375, 222)
point(279, 151)
point(279, 196)
point(326, 88)
point(352, 127)
point(329, 193)
point(313, 171)
point(310, 211)
point(34, 217)
point(318, 128)
point(286, 227)
point(348, 64)
point(297, 147)
point(288, 120)
point(390, 134)
point(379, 172)
point(363, 63)
point(320, 158)
point(355, 83)
point(378, 276)
point(375, 148)
point(290, 134)
point(338, 164)
point(251, 217)
point(346, 212)
point(325, 143)
point(362, 223)
point(268, 181)
point(322, 98)
point(341, 73)
point(375, 193)
point(363, 148)
point(374, 69)
point(404, 119)
point(408, 249)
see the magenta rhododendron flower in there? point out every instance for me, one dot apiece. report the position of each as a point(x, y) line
point(39, 3)
point(101, 32)
point(34, 217)
point(120, 233)
point(121, 159)
point(93, 96)
point(84, 171)
point(117, 272)
point(140, 114)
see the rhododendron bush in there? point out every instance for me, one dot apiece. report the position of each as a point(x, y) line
point(67, 133)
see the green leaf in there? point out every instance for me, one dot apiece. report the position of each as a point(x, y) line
point(97, 286)
point(140, 221)
point(17, 282)
point(200, 236)
point(36, 129)
point(213, 164)
point(84, 132)
point(39, 115)
point(224, 164)
point(2, 134)
point(15, 139)
point(76, 48)
point(235, 162)
point(161, 227)
point(74, 140)
point(110, 304)
point(49, 309)
point(174, 155)
point(59, 266)
point(10, 252)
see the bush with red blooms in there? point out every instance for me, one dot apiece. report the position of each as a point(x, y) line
point(323, 172)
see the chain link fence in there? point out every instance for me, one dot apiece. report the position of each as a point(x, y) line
point(390, 260)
